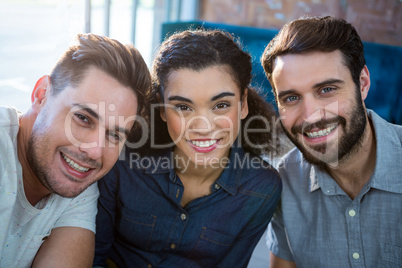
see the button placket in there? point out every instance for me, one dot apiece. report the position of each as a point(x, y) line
point(352, 213)
point(354, 234)
point(183, 216)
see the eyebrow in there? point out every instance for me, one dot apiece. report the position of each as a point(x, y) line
point(317, 85)
point(221, 95)
point(179, 98)
point(286, 92)
point(95, 115)
point(89, 110)
point(214, 98)
point(329, 81)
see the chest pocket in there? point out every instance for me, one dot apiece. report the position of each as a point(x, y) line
point(211, 246)
point(391, 254)
point(136, 228)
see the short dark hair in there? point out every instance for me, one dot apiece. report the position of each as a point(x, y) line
point(122, 62)
point(309, 34)
point(198, 50)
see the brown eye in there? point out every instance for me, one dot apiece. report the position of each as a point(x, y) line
point(222, 105)
point(182, 107)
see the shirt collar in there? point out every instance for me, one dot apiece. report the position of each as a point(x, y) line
point(387, 170)
point(388, 167)
point(319, 178)
point(231, 174)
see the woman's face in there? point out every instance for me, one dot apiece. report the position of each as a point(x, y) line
point(203, 110)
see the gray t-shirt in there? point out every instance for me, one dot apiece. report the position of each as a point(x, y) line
point(318, 225)
point(23, 227)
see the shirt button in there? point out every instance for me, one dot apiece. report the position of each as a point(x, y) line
point(172, 246)
point(356, 255)
point(217, 187)
point(183, 217)
point(352, 213)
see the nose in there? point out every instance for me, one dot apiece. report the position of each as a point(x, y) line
point(93, 145)
point(200, 123)
point(312, 110)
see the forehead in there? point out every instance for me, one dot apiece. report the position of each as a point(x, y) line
point(308, 68)
point(203, 83)
point(100, 90)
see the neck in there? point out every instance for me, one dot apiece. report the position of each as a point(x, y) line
point(197, 179)
point(355, 170)
point(33, 188)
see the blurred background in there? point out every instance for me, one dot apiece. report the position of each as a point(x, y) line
point(34, 33)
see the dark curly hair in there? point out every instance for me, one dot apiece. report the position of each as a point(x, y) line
point(198, 50)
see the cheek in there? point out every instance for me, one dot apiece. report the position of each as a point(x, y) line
point(228, 122)
point(288, 118)
point(175, 125)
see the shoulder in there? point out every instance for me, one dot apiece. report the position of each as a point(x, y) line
point(9, 121)
point(9, 127)
point(292, 162)
point(384, 128)
point(8, 116)
point(397, 130)
point(87, 198)
point(79, 211)
point(293, 157)
point(257, 176)
point(84, 202)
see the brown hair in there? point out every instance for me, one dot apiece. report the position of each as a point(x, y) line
point(122, 62)
point(309, 34)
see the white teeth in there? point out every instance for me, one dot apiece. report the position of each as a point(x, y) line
point(203, 144)
point(320, 133)
point(74, 165)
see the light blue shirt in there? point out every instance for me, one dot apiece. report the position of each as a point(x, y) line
point(319, 225)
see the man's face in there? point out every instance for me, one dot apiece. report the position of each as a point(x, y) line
point(79, 133)
point(321, 110)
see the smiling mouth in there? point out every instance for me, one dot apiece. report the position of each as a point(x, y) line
point(74, 165)
point(321, 132)
point(204, 144)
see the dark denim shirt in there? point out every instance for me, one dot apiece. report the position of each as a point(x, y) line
point(140, 221)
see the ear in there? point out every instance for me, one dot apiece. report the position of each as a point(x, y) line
point(364, 82)
point(163, 110)
point(38, 96)
point(244, 105)
point(162, 114)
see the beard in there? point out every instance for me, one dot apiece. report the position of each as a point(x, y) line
point(324, 155)
point(38, 151)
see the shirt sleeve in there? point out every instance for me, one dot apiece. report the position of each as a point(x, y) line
point(105, 220)
point(276, 238)
point(81, 212)
point(240, 253)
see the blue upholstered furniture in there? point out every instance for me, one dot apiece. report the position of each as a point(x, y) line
point(384, 63)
